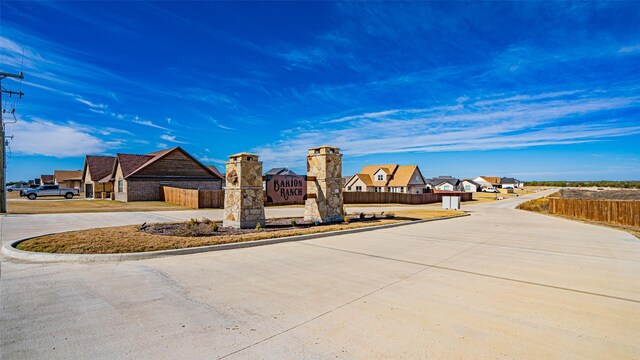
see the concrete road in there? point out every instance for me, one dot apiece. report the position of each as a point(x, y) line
point(501, 284)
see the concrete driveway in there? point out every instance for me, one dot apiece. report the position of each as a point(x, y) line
point(501, 283)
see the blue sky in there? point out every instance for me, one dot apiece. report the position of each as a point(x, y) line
point(534, 90)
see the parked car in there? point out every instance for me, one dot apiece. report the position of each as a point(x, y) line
point(27, 187)
point(49, 190)
point(16, 187)
point(490, 190)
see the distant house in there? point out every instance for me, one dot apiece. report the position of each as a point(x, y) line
point(96, 176)
point(444, 183)
point(68, 178)
point(508, 183)
point(488, 181)
point(139, 177)
point(388, 178)
point(468, 185)
point(280, 171)
point(46, 179)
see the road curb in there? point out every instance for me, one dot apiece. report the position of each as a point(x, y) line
point(10, 250)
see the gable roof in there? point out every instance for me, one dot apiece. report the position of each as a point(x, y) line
point(506, 180)
point(403, 175)
point(280, 171)
point(453, 182)
point(63, 175)
point(441, 179)
point(492, 179)
point(370, 170)
point(365, 178)
point(99, 166)
point(471, 181)
point(133, 163)
point(129, 163)
point(215, 170)
point(46, 178)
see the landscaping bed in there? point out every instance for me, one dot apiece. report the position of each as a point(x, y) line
point(154, 237)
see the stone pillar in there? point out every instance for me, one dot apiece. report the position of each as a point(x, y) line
point(243, 195)
point(324, 185)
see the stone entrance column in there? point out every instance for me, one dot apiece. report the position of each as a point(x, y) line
point(324, 185)
point(243, 195)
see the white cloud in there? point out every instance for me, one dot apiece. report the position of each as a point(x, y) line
point(629, 49)
point(139, 121)
point(512, 122)
point(91, 105)
point(40, 137)
point(172, 138)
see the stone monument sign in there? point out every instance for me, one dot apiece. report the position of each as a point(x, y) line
point(324, 185)
point(243, 195)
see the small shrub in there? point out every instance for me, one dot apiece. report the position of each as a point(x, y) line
point(361, 216)
point(194, 229)
point(346, 219)
point(391, 215)
point(214, 227)
point(258, 226)
point(193, 221)
point(207, 221)
point(294, 222)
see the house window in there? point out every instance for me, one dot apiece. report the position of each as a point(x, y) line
point(378, 189)
point(417, 177)
point(380, 177)
point(467, 188)
point(120, 185)
point(358, 188)
point(348, 188)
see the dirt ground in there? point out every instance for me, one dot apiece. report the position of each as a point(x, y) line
point(604, 194)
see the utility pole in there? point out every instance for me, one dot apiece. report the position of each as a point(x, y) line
point(3, 152)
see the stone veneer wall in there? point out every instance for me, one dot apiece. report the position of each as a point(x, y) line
point(149, 190)
point(325, 164)
point(244, 199)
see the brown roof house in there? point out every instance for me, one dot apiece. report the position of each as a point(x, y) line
point(388, 178)
point(68, 178)
point(139, 177)
point(96, 176)
point(46, 179)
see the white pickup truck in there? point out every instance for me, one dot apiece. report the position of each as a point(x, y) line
point(49, 190)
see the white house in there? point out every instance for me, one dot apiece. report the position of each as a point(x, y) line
point(508, 183)
point(469, 185)
point(445, 183)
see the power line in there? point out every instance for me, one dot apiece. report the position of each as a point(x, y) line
point(3, 155)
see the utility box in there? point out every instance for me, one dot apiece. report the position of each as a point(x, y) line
point(451, 202)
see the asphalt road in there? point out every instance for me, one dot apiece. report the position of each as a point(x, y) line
point(501, 283)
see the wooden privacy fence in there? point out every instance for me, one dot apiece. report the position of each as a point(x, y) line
point(623, 212)
point(399, 198)
point(196, 199)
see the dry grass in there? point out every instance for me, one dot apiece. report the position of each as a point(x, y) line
point(541, 206)
point(482, 197)
point(126, 239)
point(41, 206)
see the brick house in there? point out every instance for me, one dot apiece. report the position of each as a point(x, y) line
point(96, 176)
point(71, 179)
point(140, 177)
